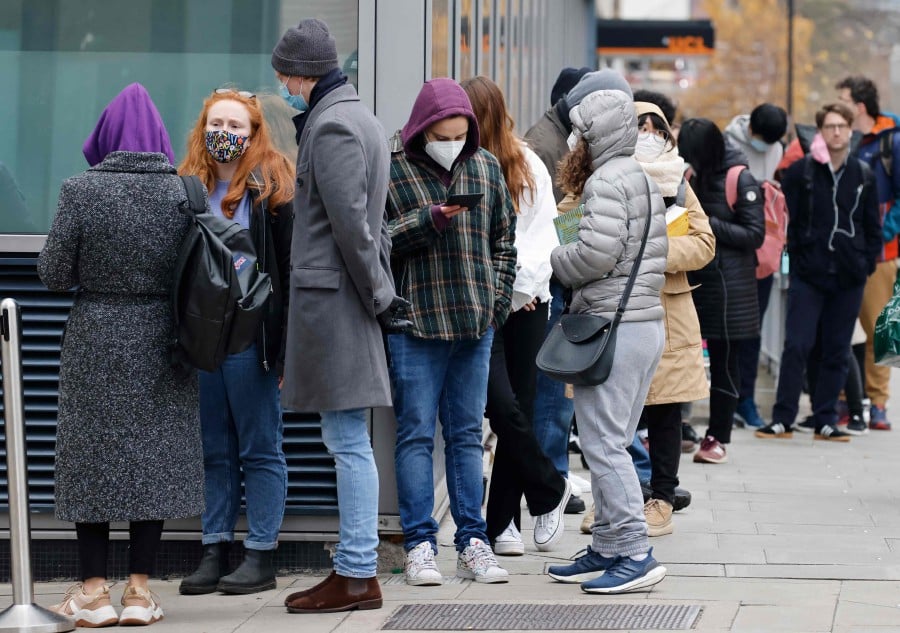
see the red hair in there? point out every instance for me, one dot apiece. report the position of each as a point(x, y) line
point(495, 127)
point(276, 171)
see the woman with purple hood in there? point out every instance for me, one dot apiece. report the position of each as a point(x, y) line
point(128, 435)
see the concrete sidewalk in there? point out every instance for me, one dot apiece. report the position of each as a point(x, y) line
point(790, 535)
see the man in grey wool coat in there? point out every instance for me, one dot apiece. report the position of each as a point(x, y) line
point(341, 290)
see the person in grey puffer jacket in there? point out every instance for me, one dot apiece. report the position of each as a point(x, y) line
point(619, 200)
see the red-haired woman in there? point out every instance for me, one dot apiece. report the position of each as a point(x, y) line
point(249, 182)
point(520, 465)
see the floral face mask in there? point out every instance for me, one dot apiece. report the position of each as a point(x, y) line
point(224, 146)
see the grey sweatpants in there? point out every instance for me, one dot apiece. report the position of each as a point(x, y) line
point(607, 417)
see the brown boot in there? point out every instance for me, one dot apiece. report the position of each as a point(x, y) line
point(336, 593)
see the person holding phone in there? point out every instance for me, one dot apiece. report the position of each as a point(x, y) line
point(456, 265)
point(520, 465)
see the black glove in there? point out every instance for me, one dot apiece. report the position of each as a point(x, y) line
point(389, 320)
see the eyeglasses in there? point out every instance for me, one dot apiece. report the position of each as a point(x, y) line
point(240, 93)
point(835, 127)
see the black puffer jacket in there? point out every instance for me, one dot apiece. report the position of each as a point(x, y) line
point(272, 239)
point(726, 300)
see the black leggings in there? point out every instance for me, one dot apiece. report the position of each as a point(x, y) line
point(93, 547)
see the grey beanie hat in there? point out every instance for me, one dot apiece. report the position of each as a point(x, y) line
point(307, 50)
point(606, 79)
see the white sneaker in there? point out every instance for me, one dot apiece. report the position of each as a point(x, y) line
point(509, 542)
point(477, 563)
point(549, 527)
point(141, 607)
point(420, 567)
point(90, 610)
point(579, 484)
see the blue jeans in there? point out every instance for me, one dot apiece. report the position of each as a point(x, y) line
point(446, 378)
point(346, 436)
point(552, 410)
point(241, 429)
point(641, 460)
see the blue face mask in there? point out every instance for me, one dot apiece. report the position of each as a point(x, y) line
point(759, 145)
point(295, 101)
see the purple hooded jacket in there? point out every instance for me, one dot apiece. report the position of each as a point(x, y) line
point(130, 123)
point(438, 99)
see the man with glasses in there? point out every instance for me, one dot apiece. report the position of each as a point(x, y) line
point(880, 148)
point(834, 238)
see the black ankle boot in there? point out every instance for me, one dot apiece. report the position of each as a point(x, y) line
point(255, 573)
point(213, 565)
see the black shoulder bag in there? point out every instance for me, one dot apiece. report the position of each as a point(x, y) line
point(579, 349)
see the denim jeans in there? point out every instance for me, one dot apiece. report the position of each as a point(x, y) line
point(448, 379)
point(641, 459)
point(552, 410)
point(346, 436)
point(241, 429)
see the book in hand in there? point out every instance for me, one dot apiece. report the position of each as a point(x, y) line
point(566, 224)
point(677, 222)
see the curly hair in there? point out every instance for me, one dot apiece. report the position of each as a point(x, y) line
point(277, 172)
point(495, 127)
point(575, 168)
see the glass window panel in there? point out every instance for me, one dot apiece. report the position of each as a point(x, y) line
point(487, 35)
point(440, 38)
point(466, 36)
point(63, 60)
point(500, 43)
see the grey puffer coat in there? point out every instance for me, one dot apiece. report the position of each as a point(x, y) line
point(616, 200)
point(128, 435)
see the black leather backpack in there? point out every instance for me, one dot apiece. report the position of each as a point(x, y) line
point(219, 293)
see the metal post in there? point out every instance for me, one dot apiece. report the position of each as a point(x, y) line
point(23, 615)
point(790, 57)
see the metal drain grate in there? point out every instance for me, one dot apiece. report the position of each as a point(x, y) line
point(400, 579)
point(541, 617)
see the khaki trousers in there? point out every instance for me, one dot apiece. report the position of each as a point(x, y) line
point(879, 288)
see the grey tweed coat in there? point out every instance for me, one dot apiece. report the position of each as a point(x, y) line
point(128, 436)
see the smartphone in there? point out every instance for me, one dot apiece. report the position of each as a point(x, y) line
point(468, 200)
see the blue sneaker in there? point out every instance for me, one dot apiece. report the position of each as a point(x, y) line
point(627, 574)
point(584, 568)
point(746, 412)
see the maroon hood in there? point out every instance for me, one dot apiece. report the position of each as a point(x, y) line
point(438, 99)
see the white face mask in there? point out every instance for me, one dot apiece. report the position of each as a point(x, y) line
point(444, 152)
point(572, 141)
point(649, 147)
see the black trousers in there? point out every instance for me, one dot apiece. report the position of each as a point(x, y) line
point(93, 547)
point(663, 422)
point(520, 465)
point(725, 381)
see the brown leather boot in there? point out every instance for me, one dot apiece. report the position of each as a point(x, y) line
point(336, 593)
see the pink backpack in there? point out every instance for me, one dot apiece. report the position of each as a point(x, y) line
point(769, 254)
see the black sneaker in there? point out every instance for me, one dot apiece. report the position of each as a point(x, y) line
point(575, 505)
point(807, 426)
point(831, 434)
point(856, 426)
point(688, 433)
point(774, 430)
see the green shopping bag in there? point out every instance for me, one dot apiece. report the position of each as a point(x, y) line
point(887, 331)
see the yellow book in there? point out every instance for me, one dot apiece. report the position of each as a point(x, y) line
point(677, 222)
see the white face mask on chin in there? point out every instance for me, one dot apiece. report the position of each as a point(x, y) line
point(444, 153)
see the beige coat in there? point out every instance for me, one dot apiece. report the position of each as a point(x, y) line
point(680, 376)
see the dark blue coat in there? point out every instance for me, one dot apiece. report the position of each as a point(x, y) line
point(834, 222)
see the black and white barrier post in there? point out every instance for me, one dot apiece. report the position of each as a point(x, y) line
point(23, 615)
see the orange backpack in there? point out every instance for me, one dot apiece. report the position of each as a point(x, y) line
point(768, 256)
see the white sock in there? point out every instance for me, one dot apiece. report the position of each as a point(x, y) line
point(639, 557)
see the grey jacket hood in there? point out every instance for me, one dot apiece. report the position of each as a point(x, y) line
point(606, 119)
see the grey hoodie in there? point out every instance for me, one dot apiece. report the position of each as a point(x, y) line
point(762, 164)
point(616, 197)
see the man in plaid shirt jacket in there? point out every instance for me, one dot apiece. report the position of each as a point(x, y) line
point(456, 265)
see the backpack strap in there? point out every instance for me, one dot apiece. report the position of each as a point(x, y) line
point(886, 151)
point(731, 184)
point(194, 189)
